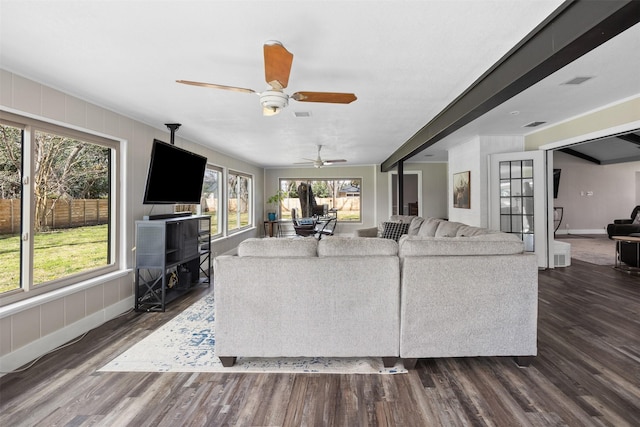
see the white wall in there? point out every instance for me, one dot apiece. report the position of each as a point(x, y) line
point(34, 326)
point(615, 193)
point(473, 156)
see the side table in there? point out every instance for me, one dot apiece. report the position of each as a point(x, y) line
point(631, 240)
point(272, 228)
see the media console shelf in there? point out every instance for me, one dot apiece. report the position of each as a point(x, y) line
point(173, 256)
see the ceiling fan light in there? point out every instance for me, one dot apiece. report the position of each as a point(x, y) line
point(270, 111)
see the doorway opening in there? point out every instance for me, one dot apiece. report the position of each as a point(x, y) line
point(412, 194)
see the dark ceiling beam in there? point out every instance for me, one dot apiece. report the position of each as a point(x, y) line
point(581, 155)
point(630, 137)
point(574, 29)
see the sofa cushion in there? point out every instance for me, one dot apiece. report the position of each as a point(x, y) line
point(393, 218)
point(273, 248)
point(488, 244)
point(448, 228)
point(415, 225)
point(429, 227)
point(406, 219)
point(353, 246)
point(469, 230)
point(393, 230)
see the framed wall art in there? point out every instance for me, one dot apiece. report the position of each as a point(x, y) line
point(462, 190)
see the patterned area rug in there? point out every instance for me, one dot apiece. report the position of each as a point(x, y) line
point(592, 248)
point(187, 344)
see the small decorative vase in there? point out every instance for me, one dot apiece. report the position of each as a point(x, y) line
point(272, 216)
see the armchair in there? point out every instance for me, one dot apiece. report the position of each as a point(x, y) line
point(624, 227)
point(312, 226)
point(303, 227)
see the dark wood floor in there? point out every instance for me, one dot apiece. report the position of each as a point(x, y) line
point(587, 373)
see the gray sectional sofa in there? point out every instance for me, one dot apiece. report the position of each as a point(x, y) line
point(445, 289)
point(303, 297)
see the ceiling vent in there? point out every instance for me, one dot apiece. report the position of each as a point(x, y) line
point(577, 80)
point(533, 124)
point(302, 114)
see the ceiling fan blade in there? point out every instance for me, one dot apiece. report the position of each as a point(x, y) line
point(330, 162)
point(331, 97)
point(277, 64)
point(215, 86)
point(304, 163)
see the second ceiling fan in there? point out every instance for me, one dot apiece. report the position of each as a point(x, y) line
point(277, 67)
point(318, 162)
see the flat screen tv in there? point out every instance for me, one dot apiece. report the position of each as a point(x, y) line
point(175, 175)
point(556, 182)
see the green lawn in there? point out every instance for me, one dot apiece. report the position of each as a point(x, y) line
point(57, 254)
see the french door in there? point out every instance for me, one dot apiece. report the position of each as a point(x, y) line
point(519, 185)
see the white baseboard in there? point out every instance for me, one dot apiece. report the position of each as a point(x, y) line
point(12, 361)
point(585, 231)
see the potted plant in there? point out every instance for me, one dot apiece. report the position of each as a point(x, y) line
point(273, 202)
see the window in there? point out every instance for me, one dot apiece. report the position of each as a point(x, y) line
point(210, 200)
point(10, 206)
point(239, 201)
point(211, 197)
point(339, 196)
point(57, 204)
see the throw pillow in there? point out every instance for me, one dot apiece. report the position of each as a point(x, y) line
point(393, 230)
point(636, 220)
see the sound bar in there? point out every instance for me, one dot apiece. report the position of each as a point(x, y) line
point(167, 216)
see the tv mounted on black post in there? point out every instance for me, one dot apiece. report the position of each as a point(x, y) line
point(175, 175)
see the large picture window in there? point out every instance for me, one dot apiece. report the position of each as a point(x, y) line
point(239, 197)
point(335, 196)
point(57, 204)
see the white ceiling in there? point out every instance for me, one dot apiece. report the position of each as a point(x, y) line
point(405, 61)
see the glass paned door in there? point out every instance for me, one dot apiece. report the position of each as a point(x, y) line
point(518, 193)
point(516, 200)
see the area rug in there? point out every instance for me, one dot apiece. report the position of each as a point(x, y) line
point(595, 249)
point(187, 344)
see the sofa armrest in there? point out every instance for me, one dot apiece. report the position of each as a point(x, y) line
point(366, 232)
point(623, 221)
point(622, 229)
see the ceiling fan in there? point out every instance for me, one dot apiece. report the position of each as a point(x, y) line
point(318, 162)
point(277, 67)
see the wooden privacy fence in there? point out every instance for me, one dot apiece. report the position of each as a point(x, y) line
point(65, 214)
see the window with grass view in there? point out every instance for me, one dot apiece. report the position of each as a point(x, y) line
point(238, 201)
point(56, 193)
point(210, 200)
point(211, 192)
point(338, 196)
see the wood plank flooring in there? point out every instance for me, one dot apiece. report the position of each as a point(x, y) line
point(587, 373)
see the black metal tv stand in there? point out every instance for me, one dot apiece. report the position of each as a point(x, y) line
point(173, 256)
